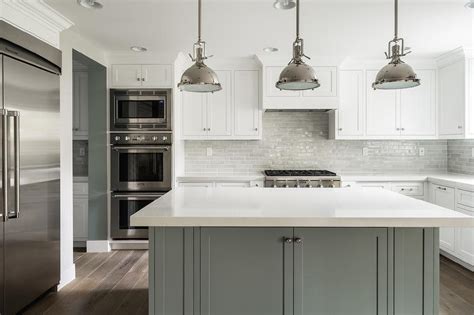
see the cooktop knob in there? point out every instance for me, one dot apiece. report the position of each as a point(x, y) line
point(117, 138)
point(164, 138)
point(154, 138)
point(127, 138)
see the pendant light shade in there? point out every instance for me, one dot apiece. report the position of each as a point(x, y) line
point(297, 75)
point(397, 74)
point(284, 4)
point(199, 77)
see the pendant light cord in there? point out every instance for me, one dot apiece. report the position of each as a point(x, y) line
point(199, 21)
point(396, 19)
point(297, 19)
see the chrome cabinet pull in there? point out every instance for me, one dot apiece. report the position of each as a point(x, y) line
point(288, 240)
point(442, 188)
point(298, 240)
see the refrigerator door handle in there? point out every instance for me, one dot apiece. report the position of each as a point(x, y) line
point(4, 114)
point(16, 143)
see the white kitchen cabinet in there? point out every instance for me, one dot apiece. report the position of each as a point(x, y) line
point(80, 105)
point(234, 113)
point(221, 183)
point(444, 197)
point(418, 106)
point(464, 245)
point(151, 76)
point(236, 184)
point(196, 184)
point(350, 116)
point(456, 97)
point(246, 93)
point(324, 97)
point(80, 211)
point(219, 106)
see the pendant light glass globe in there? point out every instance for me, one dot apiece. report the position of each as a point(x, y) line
point(297, 75)
point(284, 4)
point(90, 4)
point(397, 74)
point(199, 78)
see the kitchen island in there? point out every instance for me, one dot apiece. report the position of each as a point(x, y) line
point(293, 251)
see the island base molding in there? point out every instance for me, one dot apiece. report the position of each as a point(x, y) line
point(293, 271)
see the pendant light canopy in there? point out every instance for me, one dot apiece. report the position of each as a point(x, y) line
point(397, 74)
point(297, 75)
point(199, 77)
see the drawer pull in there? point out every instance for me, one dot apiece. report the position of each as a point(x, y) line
point(407, 189)
point(442, 188)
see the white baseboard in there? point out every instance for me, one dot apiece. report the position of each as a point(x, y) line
point(457, 260)
point(132, 244)
point(98, 246)
point(67, 276)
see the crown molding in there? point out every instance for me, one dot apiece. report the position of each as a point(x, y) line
point(451, 57)
point(36, 18)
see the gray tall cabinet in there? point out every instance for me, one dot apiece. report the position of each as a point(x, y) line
point(293, 271)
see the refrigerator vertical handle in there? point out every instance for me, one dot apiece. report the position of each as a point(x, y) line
point(16, 121)
point(4, 114)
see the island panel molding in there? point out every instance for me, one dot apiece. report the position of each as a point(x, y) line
point(260, 270)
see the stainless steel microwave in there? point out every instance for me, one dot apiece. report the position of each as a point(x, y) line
point(140, 110)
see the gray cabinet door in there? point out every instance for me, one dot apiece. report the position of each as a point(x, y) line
point(246, 271)
point(339, 271)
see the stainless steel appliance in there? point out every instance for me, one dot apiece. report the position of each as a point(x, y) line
point(123, 205)
point(29, 128)
point(141, 162)
point(140, 110)
point(301, 179)
point(141, 173)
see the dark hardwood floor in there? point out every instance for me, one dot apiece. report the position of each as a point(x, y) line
point(117, 282)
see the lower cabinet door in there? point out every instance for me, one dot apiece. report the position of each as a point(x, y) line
point(340, 271)
point(246, 271)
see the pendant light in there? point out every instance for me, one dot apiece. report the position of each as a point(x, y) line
point(397, 74)
point(297, 75)
point(199, 77)
point(284, 4)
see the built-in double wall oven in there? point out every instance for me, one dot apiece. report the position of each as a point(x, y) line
point(140, 156)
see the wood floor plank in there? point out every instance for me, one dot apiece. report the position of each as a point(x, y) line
point(117, 283)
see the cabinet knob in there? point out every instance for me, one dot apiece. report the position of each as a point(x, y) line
point(208, 129)
point(288, 240)
point(403, 129)
point(398, 129)
point(459, 127)
point(138, 79)
point(298, 240)
point(143, 79)
point(340, 129)
point(204, 129)
point(256, 129)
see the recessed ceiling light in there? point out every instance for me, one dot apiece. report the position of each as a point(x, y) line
point(90, 4)
point(270, 49)
point(470, 4)
point(138, 49)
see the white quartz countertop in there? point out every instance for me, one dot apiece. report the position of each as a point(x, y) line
point(339, 207)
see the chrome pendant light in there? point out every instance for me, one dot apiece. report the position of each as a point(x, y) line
point(284, 4)
point(297, 75)
point(199, 77)
point(397, 74)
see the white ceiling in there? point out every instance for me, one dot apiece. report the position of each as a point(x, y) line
point(239, 28)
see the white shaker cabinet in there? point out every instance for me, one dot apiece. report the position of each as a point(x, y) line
point(150, 76)
point(80, 211)
point(80, 105)
point(234, 113)
point(464, 245)
point(246, 96)
point(418, 106)
point(444, 197)
point(350, 116)
point(382, 109)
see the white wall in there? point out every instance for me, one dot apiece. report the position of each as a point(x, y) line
point(70, 40)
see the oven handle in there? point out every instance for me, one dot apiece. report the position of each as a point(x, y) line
point(136, 195)
point(155, 148)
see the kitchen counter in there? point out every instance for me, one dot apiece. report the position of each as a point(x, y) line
point(341, 207)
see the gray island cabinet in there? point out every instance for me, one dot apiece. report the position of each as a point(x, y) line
point(260, 270)
point(241, 251)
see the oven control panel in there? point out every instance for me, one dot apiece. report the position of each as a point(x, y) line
point(140, 138)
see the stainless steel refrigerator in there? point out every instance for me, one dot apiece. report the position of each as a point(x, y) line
point(29, 137)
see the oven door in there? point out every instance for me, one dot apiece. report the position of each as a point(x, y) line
point(140, 110)
point(122, 207)
point(141, 168)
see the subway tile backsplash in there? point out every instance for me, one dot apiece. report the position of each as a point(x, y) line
point(300, 140)
point(460, 159)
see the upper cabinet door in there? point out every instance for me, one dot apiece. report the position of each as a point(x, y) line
point(418, 106)
point(382, 109)
point(156, 76)
point(272, 77)
point(351, 106)
point(219, 106)
point(246, 103)
point(194, 114)
point(452, 99)
point(126, 75)
point(327, 77)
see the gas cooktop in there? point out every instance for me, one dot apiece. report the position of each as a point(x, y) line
point(298, 173)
